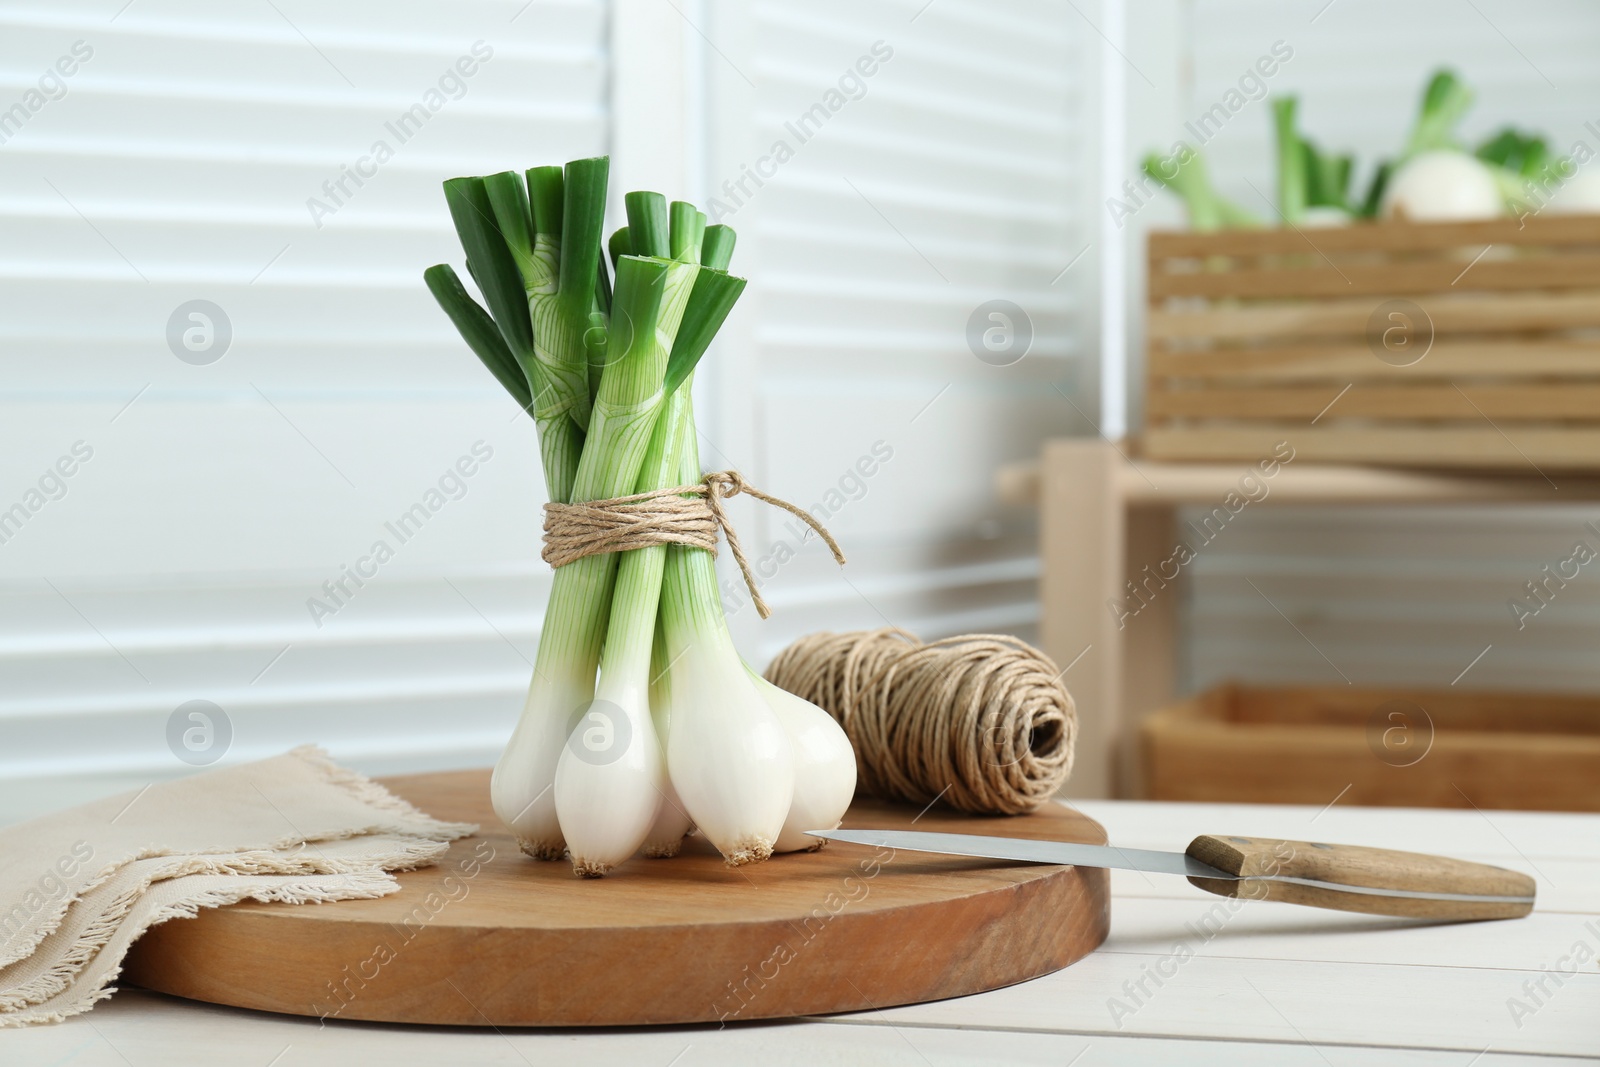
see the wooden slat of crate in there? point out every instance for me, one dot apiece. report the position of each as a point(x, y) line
point(1449, 359)
point(1308, 746)
point(1366, 400)
point(1517, 446)
point(1457, 709)
point(1326, 278)
point(1348, 318)
point(1543, 230)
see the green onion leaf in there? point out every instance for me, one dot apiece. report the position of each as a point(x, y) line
point(618, 435)
point(649, 226)
point(514, 218)
point(493, 266)
point(636, 303)
point(1327, 177)
point(582, 223)
point(716, 247)
point(546, 194)
point(714, 294)
point(620, 245)
point(562, 321)
point(1444, 102)
point(684, 241)
point(1208, 209)
point(602, 287)
point(1373, 201)
point(479, 331)
point(1291, 161)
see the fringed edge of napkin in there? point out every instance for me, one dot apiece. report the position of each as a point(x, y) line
point(409, 854)
point(355, 886)
point(431, 836)
point(376, 796)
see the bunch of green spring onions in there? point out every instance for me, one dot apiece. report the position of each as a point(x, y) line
point(1434, 177)
point(641, 720)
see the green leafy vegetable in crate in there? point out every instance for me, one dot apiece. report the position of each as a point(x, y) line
point(1433, 177)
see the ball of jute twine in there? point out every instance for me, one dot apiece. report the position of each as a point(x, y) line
point(682, 515)
point(981, 722)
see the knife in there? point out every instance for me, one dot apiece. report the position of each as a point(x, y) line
point(1343, 877)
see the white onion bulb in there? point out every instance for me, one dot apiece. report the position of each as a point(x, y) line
point(609, 781)
point(728, 755)
point(1578, 195)
point(824, 767)
point(1324, 216)
point(1443, 186)
point(522, 788)
point(672, 821)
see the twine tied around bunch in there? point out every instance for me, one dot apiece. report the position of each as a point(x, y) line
point(980, 721)
point(687, 515)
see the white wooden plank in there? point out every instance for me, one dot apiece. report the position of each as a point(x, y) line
point(1264, 930)
point(138, 1027)
point(1345, 1004)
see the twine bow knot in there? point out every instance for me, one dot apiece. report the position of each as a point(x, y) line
point(687, 515)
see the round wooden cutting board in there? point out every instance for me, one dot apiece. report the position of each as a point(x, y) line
point(491, 937)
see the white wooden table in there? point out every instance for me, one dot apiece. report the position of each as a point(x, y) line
point(1263, 983)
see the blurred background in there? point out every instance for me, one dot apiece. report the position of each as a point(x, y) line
point(212, 233)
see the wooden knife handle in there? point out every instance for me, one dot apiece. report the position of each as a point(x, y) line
point(1370, 868)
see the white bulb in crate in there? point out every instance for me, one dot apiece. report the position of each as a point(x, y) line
point(1443, 186)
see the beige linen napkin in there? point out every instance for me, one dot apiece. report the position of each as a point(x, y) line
point(78, 887)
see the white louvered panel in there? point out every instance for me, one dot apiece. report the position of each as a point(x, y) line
point(1391, 596)
point(198, 173)
point(414, 674)
point(959, 177)
point(186, 549)
point(1397, 596)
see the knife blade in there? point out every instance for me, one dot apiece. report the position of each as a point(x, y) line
point(1343, 877)
point(1028, 850)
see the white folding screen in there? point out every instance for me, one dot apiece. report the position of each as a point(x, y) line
point(281, 163)
point(902, 166)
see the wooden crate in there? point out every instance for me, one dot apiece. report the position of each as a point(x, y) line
point(1445, 749)
point(1413, 344)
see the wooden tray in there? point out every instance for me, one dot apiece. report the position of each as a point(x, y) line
point(1468, 344)
point(491, 937)
point(1392, 747)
